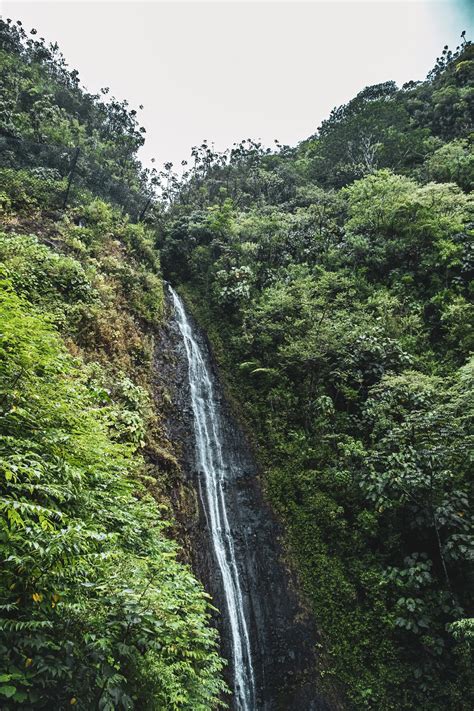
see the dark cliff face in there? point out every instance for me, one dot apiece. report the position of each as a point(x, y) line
point(282, 635)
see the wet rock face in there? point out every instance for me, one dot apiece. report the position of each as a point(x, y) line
point(282, 634)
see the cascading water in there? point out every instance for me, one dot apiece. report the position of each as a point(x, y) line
point(215, 467)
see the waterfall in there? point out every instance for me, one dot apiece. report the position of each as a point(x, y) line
point(214, 468)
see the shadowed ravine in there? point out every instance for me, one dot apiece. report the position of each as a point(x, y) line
point(267, 638)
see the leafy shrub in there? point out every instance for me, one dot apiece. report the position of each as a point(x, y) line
point(27, 189)
point(95, 609)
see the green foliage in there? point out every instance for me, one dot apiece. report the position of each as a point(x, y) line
point(335, 281)
point(28, 189)
point(342, 321)
point(94, 605)
point(452, 163)
point(393, 223)
point(43, 276)
point(372, 131)
point(95, 608)
point(46, 116)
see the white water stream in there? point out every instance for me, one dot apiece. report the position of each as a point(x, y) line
point(213, 466)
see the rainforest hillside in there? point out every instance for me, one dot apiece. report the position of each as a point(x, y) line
point(335, 282)
point(95, 608)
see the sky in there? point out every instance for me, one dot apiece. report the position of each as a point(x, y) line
point(224, 71)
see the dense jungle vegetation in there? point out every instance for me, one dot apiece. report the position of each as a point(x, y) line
point(95, 608)
point(334, 280)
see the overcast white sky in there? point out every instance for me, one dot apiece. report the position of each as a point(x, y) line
point(230, 70)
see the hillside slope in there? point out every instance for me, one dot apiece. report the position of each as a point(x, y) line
point(96, 609)
point(335, 282)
